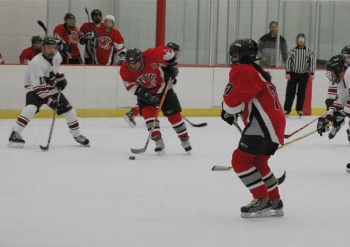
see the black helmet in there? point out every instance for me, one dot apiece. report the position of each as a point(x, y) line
point(49, 41)
point(36, 39)
point(133, 56)
point(300, 36)
point(68, 16)
point(337, 65)
point(345, 50)
point(96, 12)
point(243, 50)
point(173, 46)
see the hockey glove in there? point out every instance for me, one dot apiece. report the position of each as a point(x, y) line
point(229, 118)
point(322, 125)
point(54, 104)
point(61, 81)
point(90, 35)
point(121, 58)
point(329, 103)
point(149, 98)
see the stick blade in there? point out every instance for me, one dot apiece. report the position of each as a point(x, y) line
point(286, 136)
point(200, 125)
point(138, 151)
point(46, 148)
point(281, 179)
point(221, 168)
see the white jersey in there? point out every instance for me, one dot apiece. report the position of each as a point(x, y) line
point(343, 92)
point(39, 72)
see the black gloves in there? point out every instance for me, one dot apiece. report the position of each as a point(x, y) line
point(171, 71)
point(322, 125)
point(229, 118)
point(149, 98)
point(338, 118)
point(61, 81)
point(54, 104)
point(329, 103)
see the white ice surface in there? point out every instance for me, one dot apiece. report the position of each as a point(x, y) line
point(81, 197)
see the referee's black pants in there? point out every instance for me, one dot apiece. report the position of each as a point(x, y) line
point(297, 84)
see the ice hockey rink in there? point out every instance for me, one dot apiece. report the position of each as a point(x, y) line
point(96, 197)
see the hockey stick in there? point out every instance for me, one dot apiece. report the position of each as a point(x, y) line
point(195, 125)
point(46, 148)
point(303, 127)
point(43, 27)
point(142, 150)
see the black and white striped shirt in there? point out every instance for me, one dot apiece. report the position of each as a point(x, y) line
point(300, 60)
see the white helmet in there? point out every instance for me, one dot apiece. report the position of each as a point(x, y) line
point(109, 18)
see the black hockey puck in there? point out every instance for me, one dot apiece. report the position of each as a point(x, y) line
point(131, 157)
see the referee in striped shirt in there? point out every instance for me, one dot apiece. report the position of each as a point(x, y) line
point(300, 61)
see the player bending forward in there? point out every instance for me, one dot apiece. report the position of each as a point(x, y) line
point(338, 73)
point(43, 83)
point(144, 75)
point(251, 94)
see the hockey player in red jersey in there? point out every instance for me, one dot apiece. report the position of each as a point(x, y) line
point(67, 38)
point(43, 82)
point(88, 33)
point(109, 42)
point(28, 53)
point(134, 111)
point(251, 95)
point(338, 73)
point(145, 75)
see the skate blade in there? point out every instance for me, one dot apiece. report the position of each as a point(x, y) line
point(15, 145)
point(277, 212)
point(259, 214)
point(132, 125)
point(160, 153)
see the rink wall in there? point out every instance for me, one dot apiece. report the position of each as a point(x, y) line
point(98, 91)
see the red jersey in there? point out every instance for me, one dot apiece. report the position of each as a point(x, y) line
point(27, 55)
point(106, 44)
point(257, 99)
point(69, 36)
point(152, 75)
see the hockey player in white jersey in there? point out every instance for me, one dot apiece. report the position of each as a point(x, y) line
point(43, 82)
point(338, 73)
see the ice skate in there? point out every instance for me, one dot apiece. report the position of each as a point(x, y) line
point(348, 167)
point(82, 140)
point(15, 140)
point(286, 113)
point(277, 208)
point(300, 113)
point(159, 144)
point(258, 208)
point(333, 132)
point(130, 119)
point(185, 142)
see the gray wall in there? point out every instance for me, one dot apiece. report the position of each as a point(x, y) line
point(203, 28)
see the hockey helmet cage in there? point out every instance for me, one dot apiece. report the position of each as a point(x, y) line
point(243, 50)
point(335, 66)
point(300, 36)
point(69, 16)
point(36, 39)
point(96, 12)
point(173, 46)
point(49, 41)
point(133, 56)
point(346, 50)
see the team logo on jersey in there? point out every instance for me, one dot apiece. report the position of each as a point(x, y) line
point(147, 80)
point(104, 42)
